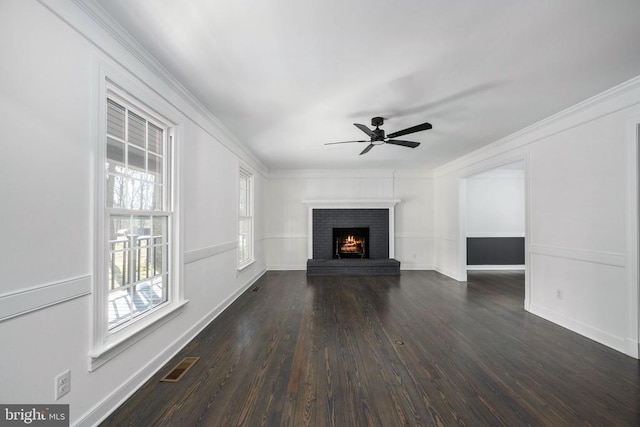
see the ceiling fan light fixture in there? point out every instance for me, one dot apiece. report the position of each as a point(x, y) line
point(378, 136)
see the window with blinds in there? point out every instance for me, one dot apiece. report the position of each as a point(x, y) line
point(245, 219)
point(137, 212)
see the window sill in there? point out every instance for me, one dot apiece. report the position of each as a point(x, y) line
point(246, 264)
point(134, 333)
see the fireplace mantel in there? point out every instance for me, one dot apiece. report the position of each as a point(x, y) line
point(351, 204)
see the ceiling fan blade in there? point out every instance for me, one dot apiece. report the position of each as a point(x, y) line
point(410, 144)
point(418, 128)
point(366, 150)
point(344, 142)
point(364, 129)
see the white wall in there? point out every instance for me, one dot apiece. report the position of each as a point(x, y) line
point(287, 216)
point(48, 91)
point(495, 203)
point(581, 210)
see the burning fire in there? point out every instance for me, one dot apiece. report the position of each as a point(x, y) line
point(352, 244)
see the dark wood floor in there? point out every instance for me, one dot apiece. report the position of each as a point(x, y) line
point(418, 349)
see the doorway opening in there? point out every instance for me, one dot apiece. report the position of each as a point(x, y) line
point(493, 221)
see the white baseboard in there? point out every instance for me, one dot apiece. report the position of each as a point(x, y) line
point(617, 343)
point(450, 274)
point(294, 267)
point(633, 348)
point(416, 267)
point(495, 267)
point(102, 410)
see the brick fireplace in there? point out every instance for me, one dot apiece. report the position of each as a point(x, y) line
point(326, 221)
point(367, 249)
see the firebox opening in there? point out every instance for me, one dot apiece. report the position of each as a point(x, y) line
point(351, 242)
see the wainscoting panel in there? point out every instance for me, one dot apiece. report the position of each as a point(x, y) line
point(584, 296)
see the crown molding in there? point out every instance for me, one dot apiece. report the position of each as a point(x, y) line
point(350, 173)
point(331, 173)
point(413, 173)
point(619, 97)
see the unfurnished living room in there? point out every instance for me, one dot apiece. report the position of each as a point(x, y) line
point(320, 213)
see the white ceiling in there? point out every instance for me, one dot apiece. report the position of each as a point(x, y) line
point(286, 76)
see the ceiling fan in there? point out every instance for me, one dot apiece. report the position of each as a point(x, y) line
point(378, 137)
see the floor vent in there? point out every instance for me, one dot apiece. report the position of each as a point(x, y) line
point(180, 369)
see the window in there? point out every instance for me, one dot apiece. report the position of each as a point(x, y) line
point(138, 212)
point(245, 219)
point(136, 277)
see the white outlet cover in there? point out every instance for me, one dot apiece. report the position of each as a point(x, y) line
point(62, 384)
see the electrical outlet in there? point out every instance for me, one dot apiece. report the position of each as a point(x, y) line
point(63, 384)
point(559, 293)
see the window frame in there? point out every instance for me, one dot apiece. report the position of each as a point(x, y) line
point(247, 176)
point(107, 343)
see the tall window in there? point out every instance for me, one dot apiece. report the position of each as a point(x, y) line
point(138, 212)
point(245, 226)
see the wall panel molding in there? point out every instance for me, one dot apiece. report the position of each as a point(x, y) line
point(37, 297)
point(209, 251)
point(606, 258)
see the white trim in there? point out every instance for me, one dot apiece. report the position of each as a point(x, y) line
point(209, 251)
point(135, 332)
point(613, 341)
point(31, 299)
point(245, 265)
point(350, 173)
point(462, 230)
point(495, 267)
point(493, 174)
point(416, 267)
point(247, 176)
point(448, 273)
point(106, 344)
point(330, 173)
point(605, 258)
point(633, 243)
point(351, 204)
point(485, 167)
point(480, 234)
point(287, 267)
point(413, 174)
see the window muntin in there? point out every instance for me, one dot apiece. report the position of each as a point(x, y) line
point(137, 213)
point(245, 219)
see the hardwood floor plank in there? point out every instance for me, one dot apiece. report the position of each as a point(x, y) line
point(417, 349)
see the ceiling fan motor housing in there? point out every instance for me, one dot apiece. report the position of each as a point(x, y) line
point(377, 121)
point(378, 134)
